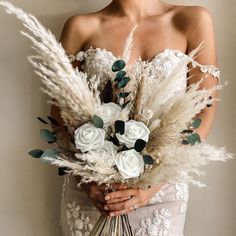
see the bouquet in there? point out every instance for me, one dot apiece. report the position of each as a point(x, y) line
point(140, 138)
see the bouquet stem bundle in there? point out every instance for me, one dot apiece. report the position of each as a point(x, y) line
point(115, 226)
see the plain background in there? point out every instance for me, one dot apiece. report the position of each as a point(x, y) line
point(30, 190)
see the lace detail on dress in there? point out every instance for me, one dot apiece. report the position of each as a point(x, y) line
point(65, 183)
point(174, 191)
point(159, 225)
point(77, 57)
point(182, 193)
point(158, 197)
point(210, 69)
point(163, 63)
point(98, 61)
point(79, 223)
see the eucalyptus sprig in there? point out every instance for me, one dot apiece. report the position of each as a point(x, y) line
point(121, 80)
point(192, 137)
point(50, 154)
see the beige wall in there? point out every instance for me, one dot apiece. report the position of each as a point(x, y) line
point(30, 190)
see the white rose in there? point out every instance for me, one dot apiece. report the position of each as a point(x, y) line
point(130, 164)
point(133, 130)
point(108, 112)
point(88, 137)
point(108, 148)
point(108, 152)
point(104, 156)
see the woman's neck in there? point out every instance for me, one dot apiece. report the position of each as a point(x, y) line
point(137, 9)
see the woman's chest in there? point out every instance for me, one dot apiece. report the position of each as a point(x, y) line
point(149, 39)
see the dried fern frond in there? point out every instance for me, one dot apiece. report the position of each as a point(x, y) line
point(179, 115)
point(182, 162)
point(100, 172)
point(128, 45)
point(62, 82)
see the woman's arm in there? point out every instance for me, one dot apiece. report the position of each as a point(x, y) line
point(201, 29)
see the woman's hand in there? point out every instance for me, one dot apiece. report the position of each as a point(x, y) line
point(135, 198)
point(96, 193)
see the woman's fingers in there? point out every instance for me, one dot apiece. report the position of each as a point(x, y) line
point(117, 200)
point(122, 212)
point(121, 194)
point(121, 206)
point(97, 192)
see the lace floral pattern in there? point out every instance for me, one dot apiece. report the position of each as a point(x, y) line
point(163, 63)
point(79, 223)
point(175, 191)
point(158, 197)
point(210, 69)
point(98, 61)
point(182, 194)
point(159, 225)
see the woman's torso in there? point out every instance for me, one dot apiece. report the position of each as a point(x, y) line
point(167, 28)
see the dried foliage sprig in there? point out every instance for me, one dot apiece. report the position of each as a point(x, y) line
point(62, 82)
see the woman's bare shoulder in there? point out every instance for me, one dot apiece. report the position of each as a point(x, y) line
point(83, 23)
point(77, 29)
point(193, 16)
point(196, 22)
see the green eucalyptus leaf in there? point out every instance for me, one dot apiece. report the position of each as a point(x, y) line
point(49, 156)
point(120, 75)
point(148, 160)
point(120, 127)
point(98, 122)
point(196, 123)
point(48, 136)
point(118, 65)
point(36, 153)
point(123, 94)
point(123, 82)
point(193, 138)
point(139, 145)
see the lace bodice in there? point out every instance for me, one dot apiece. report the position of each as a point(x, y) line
point(98, 61)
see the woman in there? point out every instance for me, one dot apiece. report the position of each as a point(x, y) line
point(165, 32)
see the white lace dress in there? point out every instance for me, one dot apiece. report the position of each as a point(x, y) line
point(165, 213)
